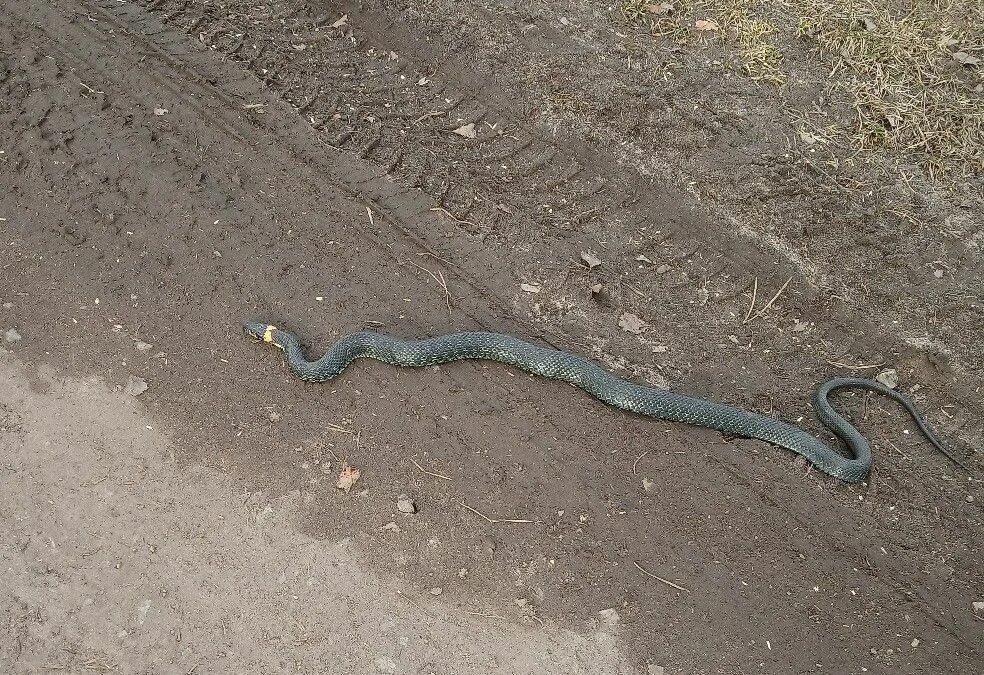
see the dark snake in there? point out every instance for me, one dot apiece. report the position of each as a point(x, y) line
point(601, 384)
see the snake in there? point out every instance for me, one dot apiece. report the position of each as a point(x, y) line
point(581, 372)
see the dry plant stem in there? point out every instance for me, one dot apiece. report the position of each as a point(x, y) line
point(429, 473)
point(660, 579)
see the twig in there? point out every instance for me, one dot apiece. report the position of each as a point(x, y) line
point(770, 302)
point(335, 427)
point(755, 289)
point(650, 574)
point(636, 463)
point(439, 278)
point(493, 521)
point(850, 367)
point(372, 221)
point(429, 473)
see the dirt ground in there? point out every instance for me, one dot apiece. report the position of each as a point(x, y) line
point(170, 170)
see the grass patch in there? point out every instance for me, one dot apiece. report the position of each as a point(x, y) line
point(892, 59)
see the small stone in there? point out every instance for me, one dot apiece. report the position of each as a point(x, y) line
point(406, 505)
point(915, 642)
point(978, 606)
point(135, 386)
point(391, 527)
point(274, 416)
point(970, 499)
point(8, 305)
point(609, 616)
point(663, 269)
point(656, 670)
point(12, 335)
point(462, 573)
point(523, 602)
point(385, 664)
point(889, 377)
point(437, 590)
point(648, 485)
point(143, 346)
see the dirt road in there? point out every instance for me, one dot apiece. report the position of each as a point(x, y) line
point(167, 175)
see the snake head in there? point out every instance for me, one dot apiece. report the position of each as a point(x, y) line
point(259, 331)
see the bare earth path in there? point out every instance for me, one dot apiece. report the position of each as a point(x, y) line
point(154, 194)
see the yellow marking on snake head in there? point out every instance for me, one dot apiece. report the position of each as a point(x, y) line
point(268, 333)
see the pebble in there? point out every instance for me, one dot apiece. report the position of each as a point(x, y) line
point(391, 527)
point(406, 505)
point(385, 664)
point(648, 485)
point(274, 416)
point(143, 346)
point(970, 499)
point(915, 642)
point(609, 616)
point(889, 377)
point(437, 590)
point(135, 386)
point(12, 335)
point(8, 305)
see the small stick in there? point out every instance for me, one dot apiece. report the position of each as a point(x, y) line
point(493, 521)
point(650, 574)
point(755, 288)
point(866, 366)
point(770, 302)
point(335, 427)
point(440, 280)
point(372, 221)
point(636, 463)
point(429, 473)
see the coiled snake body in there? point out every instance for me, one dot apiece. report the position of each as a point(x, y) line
point(587, 375)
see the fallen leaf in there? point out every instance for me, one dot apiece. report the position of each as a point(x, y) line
point(800, 326)
point(706, 25)
point(347, 477)
point(664, 8)
point(631, 323)
point(807, 137)
point(530, 288)
point(135, 386)
point(596, 289)
point(590, 259)
point(662, 269)
point(660, 349)
point(965, 59)
point(341, 22)
point(466, 130)
point(160, 111)
point(869, 24)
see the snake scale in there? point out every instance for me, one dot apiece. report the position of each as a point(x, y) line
point(583, 373)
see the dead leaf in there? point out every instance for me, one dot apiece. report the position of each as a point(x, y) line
point(530, 288)
point(466, 130)
point(706, 25)
point(596, 289)
point(807, 137)
point(590, 259)
point(663, 8)
point(800, 326)
point(660, 349)
point(965, 59)
point(160, 111)
point(341, 22)
point(869, 24)
point(347, 477)
point(663, 269)
point(631, 323)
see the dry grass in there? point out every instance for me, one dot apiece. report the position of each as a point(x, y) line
point(890, 59)
point(908, 92)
